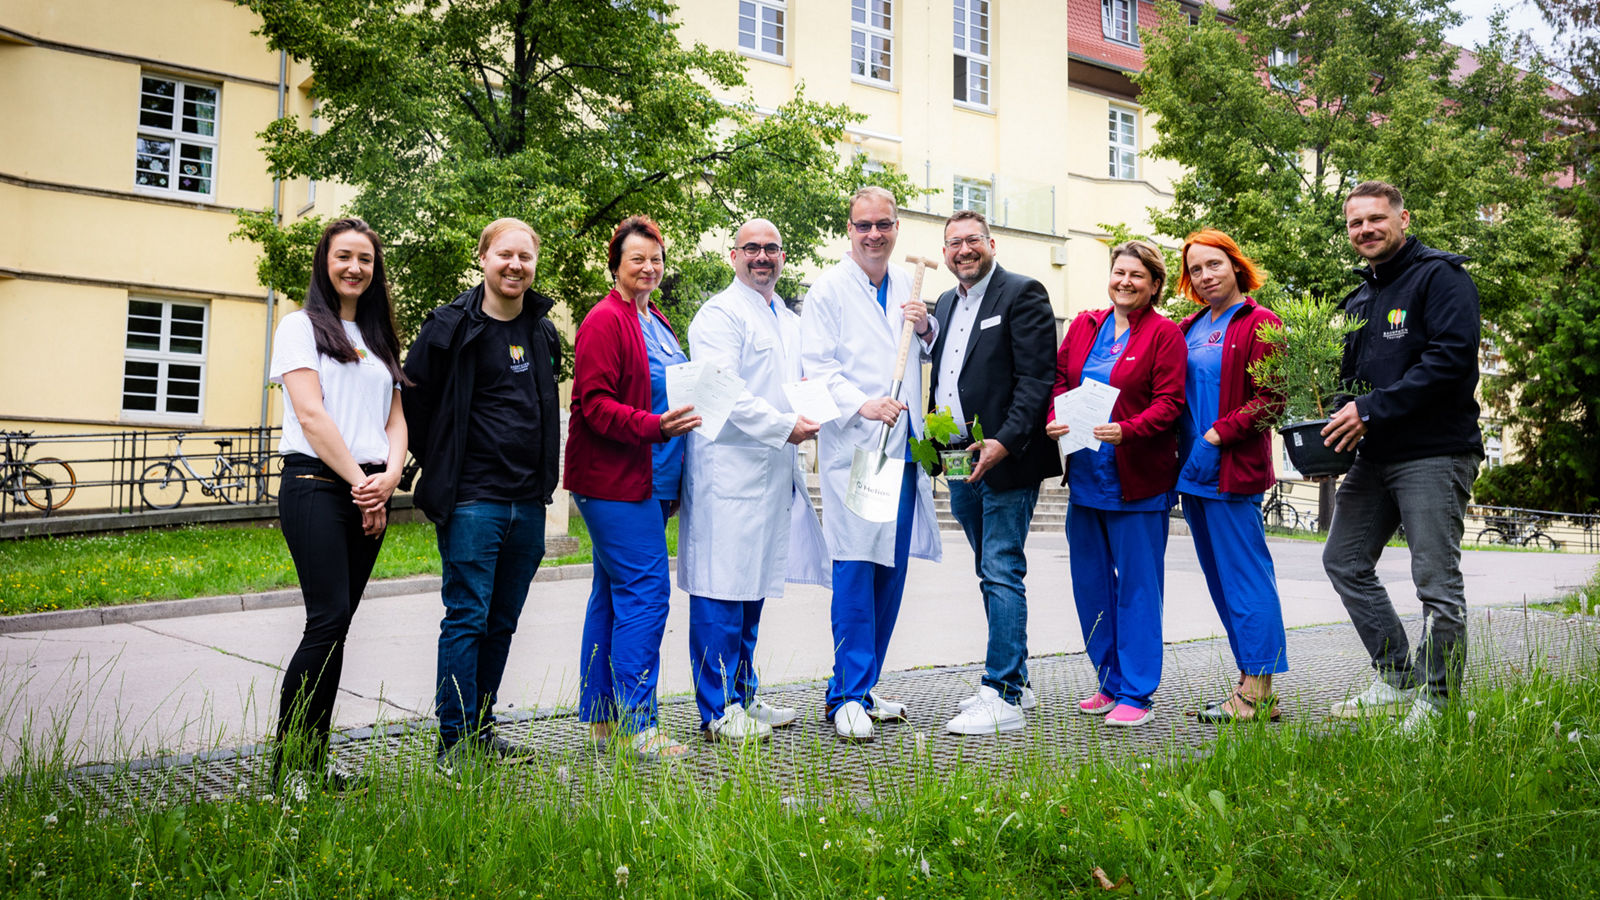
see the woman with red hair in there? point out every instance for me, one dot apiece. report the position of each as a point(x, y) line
point(1229, 465)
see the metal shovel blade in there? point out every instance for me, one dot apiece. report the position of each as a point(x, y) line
point(874, 490)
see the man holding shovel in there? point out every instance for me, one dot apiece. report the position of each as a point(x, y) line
point(851, 329)
point(995, 362)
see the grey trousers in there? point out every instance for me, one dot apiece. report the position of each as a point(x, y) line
point(1428, 496)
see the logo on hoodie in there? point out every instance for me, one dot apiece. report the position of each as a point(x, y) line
point(1397, 324)
point(519, 358)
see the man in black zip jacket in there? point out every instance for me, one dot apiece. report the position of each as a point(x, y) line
point(1419, 448)
point(484, 425)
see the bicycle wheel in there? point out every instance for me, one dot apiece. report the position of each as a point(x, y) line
point(237, 482)
point(52, 485)
point(1541, 541)
point(1281, 516)
point(1491, 535)
point(162, 485)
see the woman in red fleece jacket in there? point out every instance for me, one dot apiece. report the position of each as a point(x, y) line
point(624, 491)
point(1122, 493)
point(1229, 465)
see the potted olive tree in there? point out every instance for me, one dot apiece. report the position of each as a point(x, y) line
point(1304, 371)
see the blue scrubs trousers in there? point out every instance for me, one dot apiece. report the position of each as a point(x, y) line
point(1231, 542)
point(1118, 563)
point(722, 650)
point(627, 614)
point(866, 602)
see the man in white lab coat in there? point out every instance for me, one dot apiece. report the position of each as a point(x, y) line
point(747, 522)
point(850, 331)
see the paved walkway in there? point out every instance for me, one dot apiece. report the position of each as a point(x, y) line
point(116, 692)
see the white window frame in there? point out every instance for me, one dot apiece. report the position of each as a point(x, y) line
point(1494, 448)
point(973, 63)
point(973, 194)
point(1283, 57)
point(763, 13)
point(1125, 30)
point(862, 35)
point(165, 357)
point(180, 139)
point(1123, 157)
point(1490, 360)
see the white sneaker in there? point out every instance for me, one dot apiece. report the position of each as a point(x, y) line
point(851, 722)
point(735, 725)
point(1379, 699)
point(766, 713)
point(886, 710)
point(990, 715)
point(1421, 720)
point(1028, 700)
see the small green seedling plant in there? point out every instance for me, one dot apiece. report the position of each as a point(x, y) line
point(940, 428)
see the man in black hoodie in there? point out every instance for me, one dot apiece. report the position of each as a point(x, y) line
point(484, 425)
point(1419, 447)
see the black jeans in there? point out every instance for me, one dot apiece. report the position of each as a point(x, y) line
point(333, 559)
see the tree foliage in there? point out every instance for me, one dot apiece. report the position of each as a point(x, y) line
point(1550, 392)
point(569, 114)
point(1276, 116)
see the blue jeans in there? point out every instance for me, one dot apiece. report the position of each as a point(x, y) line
point(1428, 496)
point(1118, 564)
point(620, 659)
point(722, 653)
point(490, 553)
point(996, 523)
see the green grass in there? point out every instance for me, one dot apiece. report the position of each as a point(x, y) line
point(47, 573)
point(1506, 803)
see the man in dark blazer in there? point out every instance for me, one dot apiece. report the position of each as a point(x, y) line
point(994, 363)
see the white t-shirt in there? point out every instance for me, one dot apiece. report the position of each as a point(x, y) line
point(357, 395)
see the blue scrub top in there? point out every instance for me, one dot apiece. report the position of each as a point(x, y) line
point(1092, 476)
point(664, 351)
point(1203, 394)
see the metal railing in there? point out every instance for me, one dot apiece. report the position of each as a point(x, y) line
point(135, 471)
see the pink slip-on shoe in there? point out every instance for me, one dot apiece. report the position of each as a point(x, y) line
point(1098, 705)
point(1128, 716)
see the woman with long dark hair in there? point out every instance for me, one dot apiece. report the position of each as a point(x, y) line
point(343, 444)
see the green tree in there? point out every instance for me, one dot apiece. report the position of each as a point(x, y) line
point(1276, 116)
point(569, 114)
point(1550, 392)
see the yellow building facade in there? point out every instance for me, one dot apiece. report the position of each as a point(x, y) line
point(1012, 108)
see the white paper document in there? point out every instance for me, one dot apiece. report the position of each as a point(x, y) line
point(1082, 408)
point(812, 400)
point(711, 390)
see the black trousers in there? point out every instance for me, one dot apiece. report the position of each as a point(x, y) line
point(333, 559)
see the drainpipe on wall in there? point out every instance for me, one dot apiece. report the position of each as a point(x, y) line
point(277, 219)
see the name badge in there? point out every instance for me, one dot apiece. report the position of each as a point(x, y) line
point(990, 322)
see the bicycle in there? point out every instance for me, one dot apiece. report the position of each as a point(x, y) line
point(46, 483)
point(1276, 513)
point(1516, 531)
point(163, 484)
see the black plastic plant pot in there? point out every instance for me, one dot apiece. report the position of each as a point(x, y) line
point(1303, 441)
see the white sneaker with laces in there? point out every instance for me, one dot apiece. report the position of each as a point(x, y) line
point(1379, 699)
point(990, 715)
point(851, 722)
point(1028, 701)
point(767, 714)
point(735, 725)
point(886, 710)
point(1421, 720)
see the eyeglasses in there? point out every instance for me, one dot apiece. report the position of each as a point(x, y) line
point(883, 225)
point(753, 249)
point(971, 240)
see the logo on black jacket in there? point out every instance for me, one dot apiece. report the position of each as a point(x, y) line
point(1397, 324)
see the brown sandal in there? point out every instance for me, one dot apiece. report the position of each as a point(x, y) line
point(1220, 715)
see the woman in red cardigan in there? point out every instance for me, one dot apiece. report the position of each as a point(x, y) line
point(623, 464)
point(1122, 492)
point(1229, 465)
